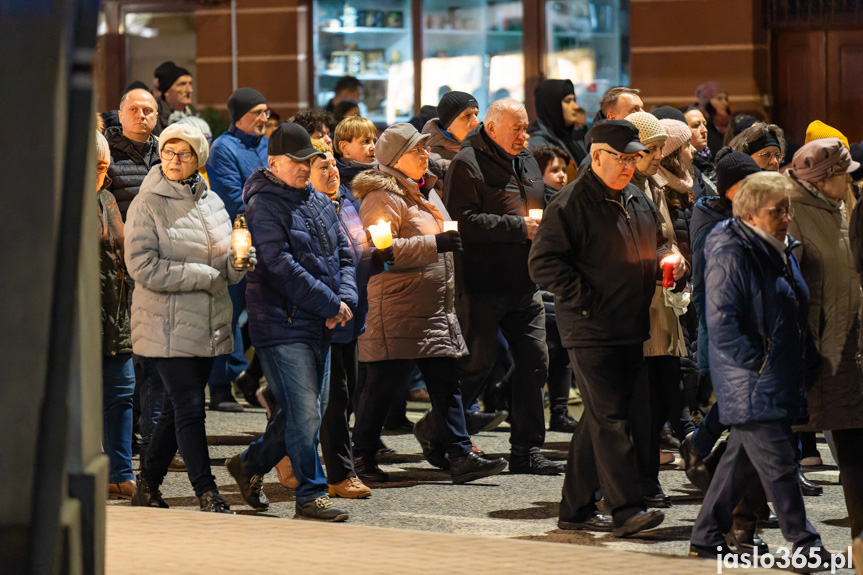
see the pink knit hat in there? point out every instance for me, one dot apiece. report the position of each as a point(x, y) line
point(678, 134)
point(704, 92)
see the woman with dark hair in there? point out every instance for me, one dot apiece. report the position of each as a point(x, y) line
point(713, 102)
point(560, 122)
point(344, 109)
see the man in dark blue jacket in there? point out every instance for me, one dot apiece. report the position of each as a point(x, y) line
point(233, 157)
point(760, 349)
point(597, 251)
point(304, 285)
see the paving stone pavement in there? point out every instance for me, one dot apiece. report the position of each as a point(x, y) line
point(419, 522)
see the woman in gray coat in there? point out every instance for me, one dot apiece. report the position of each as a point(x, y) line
point(178, 251)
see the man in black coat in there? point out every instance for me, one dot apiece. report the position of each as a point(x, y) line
point(491, 184)
point(134, 149)
point(597, 251)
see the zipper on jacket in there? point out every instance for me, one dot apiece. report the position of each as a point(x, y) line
point(210, 262)
point(766, 357)
point(321, 239)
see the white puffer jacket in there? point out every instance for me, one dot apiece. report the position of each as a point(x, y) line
point(176, 250)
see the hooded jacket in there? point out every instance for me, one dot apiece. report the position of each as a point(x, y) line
point(708, 211)
point(826, 263)
point(130, 164)
point(305, 265)
point(490, 195)
point(233, 157)
point(599, 257)
point(756, 317)
point(177, 239)
point(550, 129)
point(412, 305)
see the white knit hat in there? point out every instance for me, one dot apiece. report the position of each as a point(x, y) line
point(103, 151)
point(199, 123)
point(189, 134)
point(649, 128)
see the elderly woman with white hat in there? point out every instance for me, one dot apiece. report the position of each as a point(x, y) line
point(821, 171)
point(178, 251)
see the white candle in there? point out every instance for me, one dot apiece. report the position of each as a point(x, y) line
point(382, 235)
point(450, 226)
point(536, 214)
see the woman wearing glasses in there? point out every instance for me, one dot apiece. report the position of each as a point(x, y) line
point(178, 251)
point(820, 172)
point(765, 143)
point(411, 315)
point(760, 348)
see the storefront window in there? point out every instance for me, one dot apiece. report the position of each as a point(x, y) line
point(154, 38)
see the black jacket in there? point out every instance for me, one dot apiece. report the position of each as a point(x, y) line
point(489, 195)
point(600, 260)
point(130, 164)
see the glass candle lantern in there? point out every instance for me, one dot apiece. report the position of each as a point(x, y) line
point(536, 214)
point(241, 241)
point(450, 226)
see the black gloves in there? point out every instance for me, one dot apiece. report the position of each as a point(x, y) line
point(448, 242)
point(381, 257)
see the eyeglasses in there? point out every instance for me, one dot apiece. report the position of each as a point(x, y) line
point(628, 161)
point(778, 212)
point(168, 155)
point(769, 156)
point(419, 151)
point(265, 113)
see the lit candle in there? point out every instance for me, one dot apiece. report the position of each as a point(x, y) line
point(241, 241)
point(535, 214)
point(668, 264)
point(382, 235)
point(450, 226)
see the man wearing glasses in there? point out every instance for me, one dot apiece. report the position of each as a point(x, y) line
point(597, 251)
point(233, 157)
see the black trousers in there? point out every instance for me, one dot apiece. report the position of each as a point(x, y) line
point(666, 404)
point(602, 452)
point(521, 319)
point(384, 378)
point(559, 370)
point(181, 423)
point(335, 433)
point(849, 452)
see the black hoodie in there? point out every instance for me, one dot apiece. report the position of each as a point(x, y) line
point(550, 128)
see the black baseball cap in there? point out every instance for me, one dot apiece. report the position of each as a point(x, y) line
point(619, 134)
point(293, 141)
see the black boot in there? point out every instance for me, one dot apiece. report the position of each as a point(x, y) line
point(561, 420)
point(368, 471)
point(433, 450)
point(248, 386)
point(146, 496)
point(213, 501)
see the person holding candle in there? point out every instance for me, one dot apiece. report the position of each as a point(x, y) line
point(411, 316)
point(597, 251)
point(178, 251)
point(490, 186)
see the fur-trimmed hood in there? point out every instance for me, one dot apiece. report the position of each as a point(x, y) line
point(756, 131)
point(390, 180)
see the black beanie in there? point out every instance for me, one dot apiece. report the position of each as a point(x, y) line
point(168, 73)
point(731, 167)
point(765, 141)
point(451, 105)
point(243, 100)
point(669, 113)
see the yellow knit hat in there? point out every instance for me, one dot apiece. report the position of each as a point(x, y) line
point(818, 130)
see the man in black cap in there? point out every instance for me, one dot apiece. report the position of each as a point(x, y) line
point(597, 251)
point(305, 284)
point(234, 155)
point(175, 102)
point(457, 114)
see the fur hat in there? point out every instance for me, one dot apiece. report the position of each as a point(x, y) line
point(650, 130)
point(189, 134)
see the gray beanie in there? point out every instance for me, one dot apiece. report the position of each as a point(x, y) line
point(397, 140)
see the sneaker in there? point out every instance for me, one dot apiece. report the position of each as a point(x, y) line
point(144, 496)
point(214, 502)
point(122, 490)
point(249, 386)
point(177, 464)
point(562, 421)
point(368, 470)
point(285, 471)
point(320, 509)
point(535, 463)
point(350, 488)
point(813, 461)
point(251, 485)
point(472, 467)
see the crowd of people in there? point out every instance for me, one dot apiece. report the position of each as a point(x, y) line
point(681, 267)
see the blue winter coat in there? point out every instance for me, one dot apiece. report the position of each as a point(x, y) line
point(233, 157)
point(708, 212)
point(758, 327)
point(305, 265)
point(355, 233)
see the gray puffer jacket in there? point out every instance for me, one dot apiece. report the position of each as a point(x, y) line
point(177, 239)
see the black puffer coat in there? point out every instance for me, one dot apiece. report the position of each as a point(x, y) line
point(130, 164)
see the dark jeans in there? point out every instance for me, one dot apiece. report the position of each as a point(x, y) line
point(849, 455)
point(602, 452)
point(118, 385)
point(226, 368)
point(384, 379)
point(559, 370)
point(181, 423)
point(335, 435)
point(151, 393)
point(521, 319)
point(709, 432)
point(757, 451)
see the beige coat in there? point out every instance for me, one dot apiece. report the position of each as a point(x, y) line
point(836, 401)
point(411, 306)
